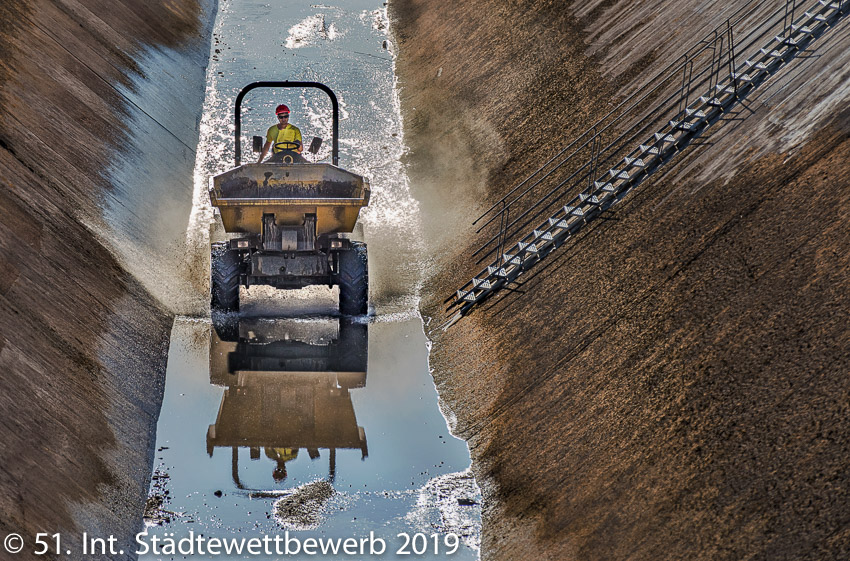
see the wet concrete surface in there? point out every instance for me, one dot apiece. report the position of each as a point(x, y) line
point(671, 385)
point(286, 417)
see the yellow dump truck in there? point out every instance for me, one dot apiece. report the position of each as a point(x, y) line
point(288, 221)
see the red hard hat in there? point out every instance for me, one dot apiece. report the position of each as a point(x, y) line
point(281, 109)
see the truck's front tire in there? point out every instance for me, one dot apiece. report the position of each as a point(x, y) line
point(224, 278)
point(354, 280)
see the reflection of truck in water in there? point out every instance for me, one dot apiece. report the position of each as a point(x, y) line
point(289, 224)
point(287, 388)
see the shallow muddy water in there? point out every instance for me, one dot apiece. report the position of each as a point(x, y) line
point(298, 423)
point(248, 428)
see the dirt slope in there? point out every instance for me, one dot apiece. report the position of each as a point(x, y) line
point(673, 385)
point(82, 344)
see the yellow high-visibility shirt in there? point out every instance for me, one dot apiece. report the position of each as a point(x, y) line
point(284, 454)
point(289, 133)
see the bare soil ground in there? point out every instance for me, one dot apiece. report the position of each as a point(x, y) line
point(672, 385)
point(82, 344)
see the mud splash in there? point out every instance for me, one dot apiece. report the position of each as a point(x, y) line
point(302, 508)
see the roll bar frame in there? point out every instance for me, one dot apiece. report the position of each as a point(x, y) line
point(237, 117)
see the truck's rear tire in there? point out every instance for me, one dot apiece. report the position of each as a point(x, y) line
point(224, 272)
point(353, 280)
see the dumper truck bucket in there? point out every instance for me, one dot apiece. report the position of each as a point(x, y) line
point(244, 194)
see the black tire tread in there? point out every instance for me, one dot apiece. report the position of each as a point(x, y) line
point(353, 280)
point(352, 350)
point(225, 266)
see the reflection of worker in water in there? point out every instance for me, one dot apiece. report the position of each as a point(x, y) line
point(282, 136)
point(281, 456)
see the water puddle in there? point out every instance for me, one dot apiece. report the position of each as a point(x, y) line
point(291, 426)
point(321, 426)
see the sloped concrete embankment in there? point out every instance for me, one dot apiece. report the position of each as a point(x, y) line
point(673, 385)
point(83, 91)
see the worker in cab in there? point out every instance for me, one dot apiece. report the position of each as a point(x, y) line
point(284, 139)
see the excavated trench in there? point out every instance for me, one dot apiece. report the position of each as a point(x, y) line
point(674, 385)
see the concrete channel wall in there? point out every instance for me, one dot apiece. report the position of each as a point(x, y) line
point(674, 384)
point(82, 342)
